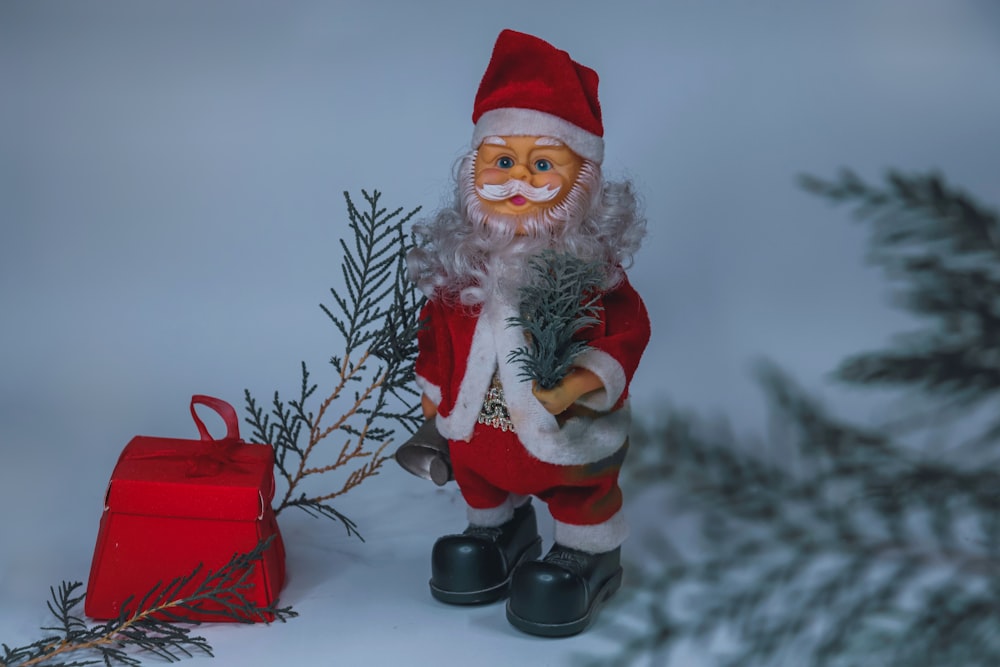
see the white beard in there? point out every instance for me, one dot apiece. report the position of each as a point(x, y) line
point(464, 255)
point(505, 267)
point(552, 223)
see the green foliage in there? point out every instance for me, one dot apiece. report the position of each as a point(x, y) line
point(845, 546)
point(377, 319)
point(943, 250)
point(560, 300)
point(151, 625)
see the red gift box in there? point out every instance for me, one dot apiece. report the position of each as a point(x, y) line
point(175, 505)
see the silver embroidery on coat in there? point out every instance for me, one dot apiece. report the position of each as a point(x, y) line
point(494, 411)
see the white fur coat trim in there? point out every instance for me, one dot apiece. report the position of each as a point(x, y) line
point(512, 121)
point(581, 439)
point(612, 376)
point(494, 516)
point(458, 424)
point(431, 390)
point(594, 539)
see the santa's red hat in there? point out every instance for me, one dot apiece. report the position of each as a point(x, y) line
point(532, 88)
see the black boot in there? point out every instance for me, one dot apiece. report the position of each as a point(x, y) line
point(475, 567)
point(561, 594)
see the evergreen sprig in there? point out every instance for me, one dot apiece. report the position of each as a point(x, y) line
point(377, 317)
point(561, 299)
point(844, 545)
point(154, 624)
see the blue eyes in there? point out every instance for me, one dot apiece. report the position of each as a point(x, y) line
point(539, 165)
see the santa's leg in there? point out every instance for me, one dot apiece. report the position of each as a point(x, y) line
point(561, 594)
point(475, 566)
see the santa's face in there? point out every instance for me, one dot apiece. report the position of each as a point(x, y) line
point(523, 176)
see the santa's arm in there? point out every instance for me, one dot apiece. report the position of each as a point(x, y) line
point(428, 407)
point(426, 367)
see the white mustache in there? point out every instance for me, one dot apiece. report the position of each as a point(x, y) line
point(515, 187)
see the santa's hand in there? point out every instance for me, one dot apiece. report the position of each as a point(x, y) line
point(427, 407)
point(556, 399)
point(578, 382)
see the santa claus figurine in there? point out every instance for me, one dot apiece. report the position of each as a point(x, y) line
point(531, 183)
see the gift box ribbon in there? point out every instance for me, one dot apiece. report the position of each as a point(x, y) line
point(204, 461)
point(209, 461)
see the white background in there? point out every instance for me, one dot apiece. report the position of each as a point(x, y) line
point(170, 201)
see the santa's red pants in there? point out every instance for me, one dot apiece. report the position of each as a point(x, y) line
point(494, 464)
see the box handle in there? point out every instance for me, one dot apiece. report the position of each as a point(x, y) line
point(223, 409)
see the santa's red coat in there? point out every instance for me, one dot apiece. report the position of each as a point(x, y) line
point(460, 349)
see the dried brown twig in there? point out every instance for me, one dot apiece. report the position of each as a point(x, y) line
point(376, 314)
point(317, 433)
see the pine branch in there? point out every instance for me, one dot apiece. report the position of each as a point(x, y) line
point(798, 562)
point(560, 300)
point(377, 317)
point(844, 547)
point(942, 248)
point(915, 210)
point(153, 624)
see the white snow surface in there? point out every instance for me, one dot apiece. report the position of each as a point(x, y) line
point(359, 603)
point(170, 207)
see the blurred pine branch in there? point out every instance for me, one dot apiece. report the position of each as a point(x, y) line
point(941, 248)
point(851, 547)
point(377, 318)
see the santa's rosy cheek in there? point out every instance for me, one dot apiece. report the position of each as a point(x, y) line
point(492, 176)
